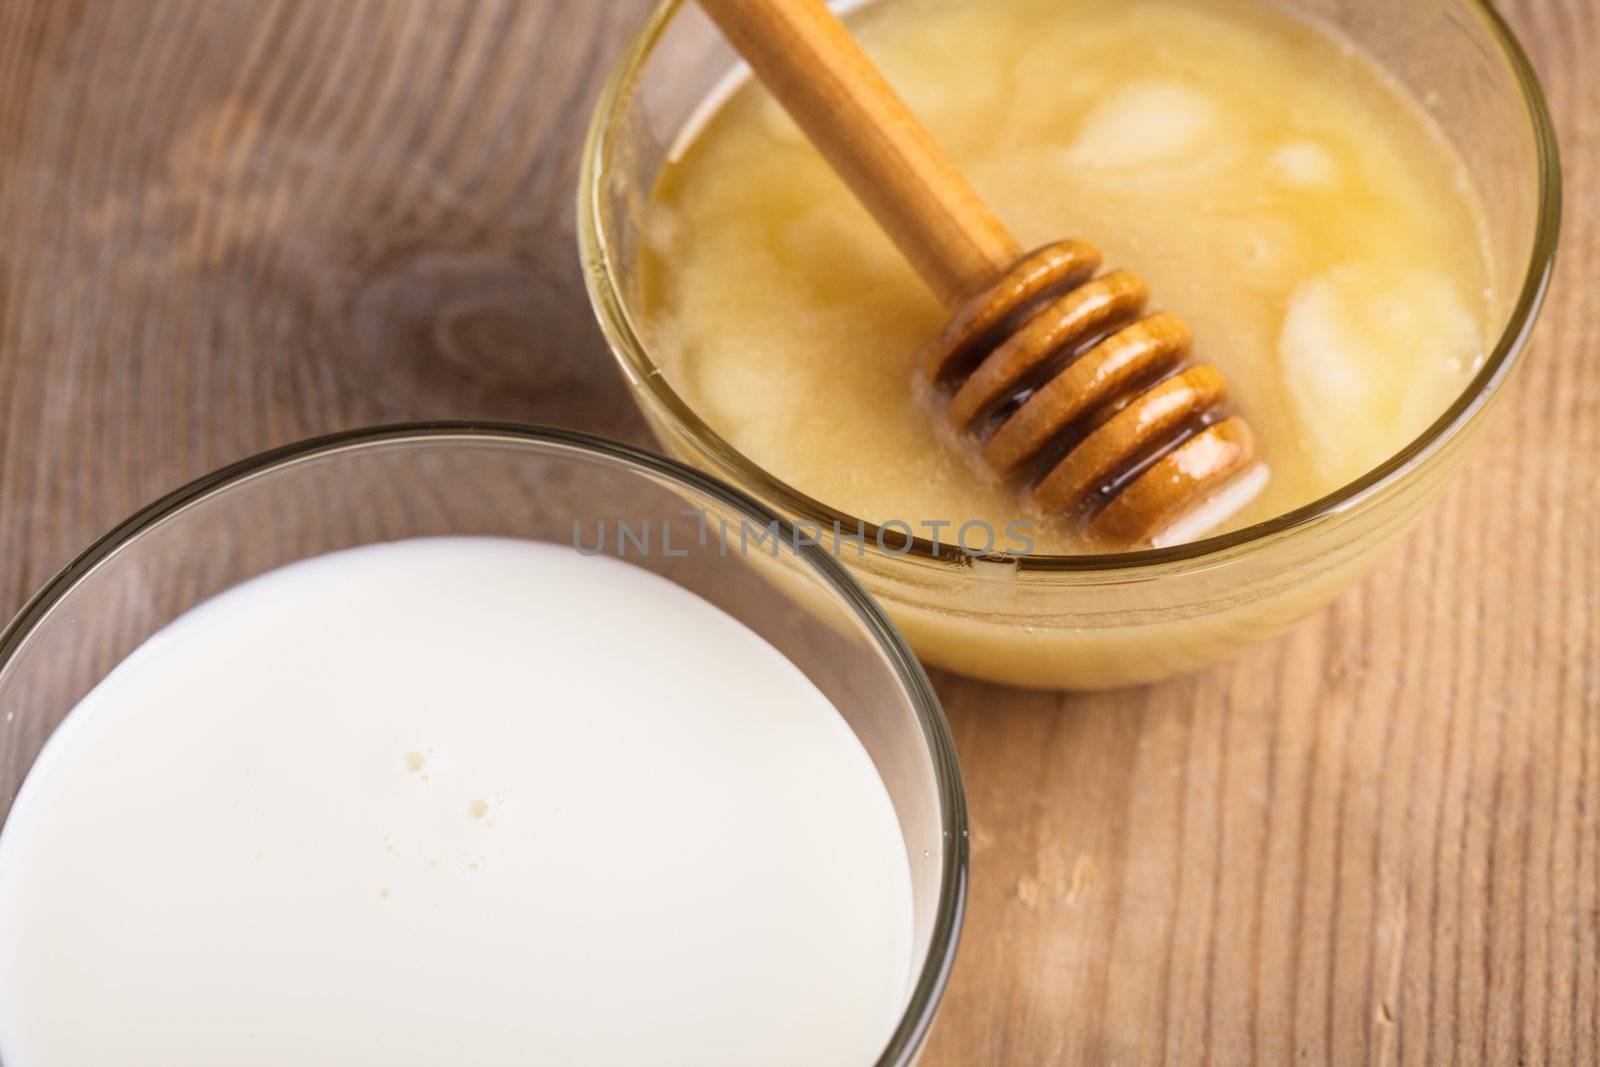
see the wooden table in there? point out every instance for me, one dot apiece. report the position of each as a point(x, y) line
point(227, 225)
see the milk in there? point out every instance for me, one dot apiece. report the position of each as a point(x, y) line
point(453, 801)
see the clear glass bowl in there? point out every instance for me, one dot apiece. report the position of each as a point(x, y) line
point(1116, 619)
point(446, 479)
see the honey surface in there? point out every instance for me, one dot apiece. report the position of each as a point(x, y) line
point(1270, 185)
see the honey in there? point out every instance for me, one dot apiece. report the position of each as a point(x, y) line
point(1269, 183)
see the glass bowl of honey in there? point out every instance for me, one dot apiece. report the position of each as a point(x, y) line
point(1354, 206)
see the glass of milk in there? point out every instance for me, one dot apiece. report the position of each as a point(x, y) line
point(467, 744)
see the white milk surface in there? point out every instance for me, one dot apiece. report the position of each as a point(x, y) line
point(457, 801)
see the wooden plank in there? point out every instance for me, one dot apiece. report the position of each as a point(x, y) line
point(1376, 840)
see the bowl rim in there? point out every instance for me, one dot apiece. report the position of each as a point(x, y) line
point(631, 353)
point(923, 997)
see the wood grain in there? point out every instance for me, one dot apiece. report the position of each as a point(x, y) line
point(226, 225)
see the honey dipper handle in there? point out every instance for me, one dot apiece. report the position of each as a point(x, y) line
point(809, 61)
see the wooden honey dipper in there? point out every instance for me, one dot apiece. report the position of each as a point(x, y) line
point(1057, 377)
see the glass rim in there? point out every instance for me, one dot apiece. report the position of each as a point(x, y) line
point(931, 978)
point(644, 374)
